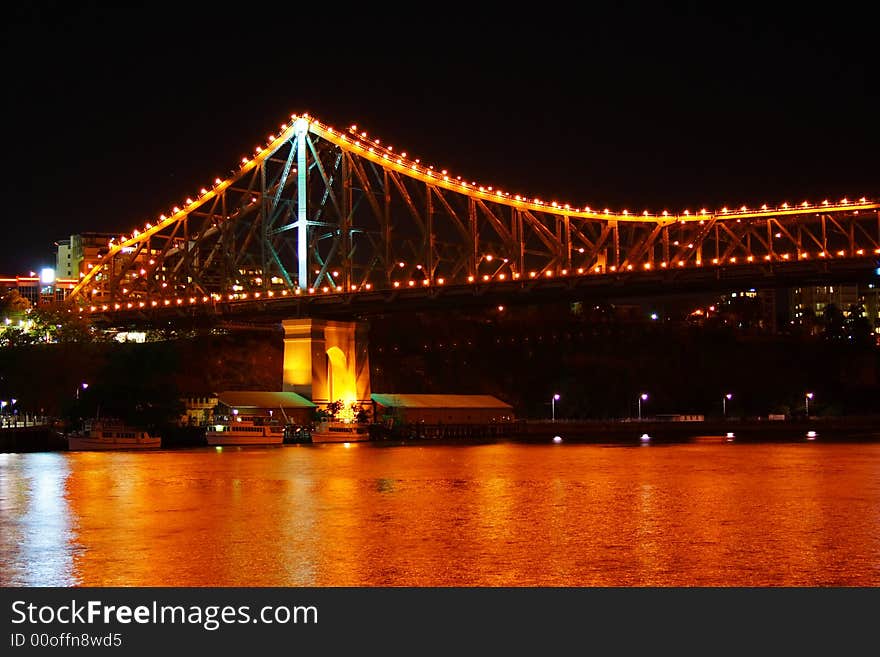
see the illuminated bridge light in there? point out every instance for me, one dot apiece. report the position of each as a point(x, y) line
point(470, 279)
point(565, 272)
point(629, 267)
point(397, 283)
point(767, 257)
point(154, 303)
point(860, 252)
point(841, 253)
point(370, 285)
point(612, 268)
point(681, 263)
point(532, 274)
point(325, 289)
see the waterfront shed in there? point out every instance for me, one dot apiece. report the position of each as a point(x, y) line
point(251, 404)
point(441, 409)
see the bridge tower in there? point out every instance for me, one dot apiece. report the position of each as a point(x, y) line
point(326, 361)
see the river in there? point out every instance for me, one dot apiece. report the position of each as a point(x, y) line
point(502, 514)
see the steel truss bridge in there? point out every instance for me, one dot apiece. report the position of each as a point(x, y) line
point(326, 221)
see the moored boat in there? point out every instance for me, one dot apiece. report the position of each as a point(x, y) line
point(244, 432)
point(341, 432)
point(108, 434)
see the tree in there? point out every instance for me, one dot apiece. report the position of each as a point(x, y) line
point(859, 326)
point(57, 324)
point(12, 303)
point(15, 336)
point(835, 328)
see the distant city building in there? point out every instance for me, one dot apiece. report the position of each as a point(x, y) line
point(41, 289)
point(815, 299)
point(77, 255)
point(869, 297)
point(809, 305)
point(64, 266)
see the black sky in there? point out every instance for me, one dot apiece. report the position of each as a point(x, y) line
point(113, 115)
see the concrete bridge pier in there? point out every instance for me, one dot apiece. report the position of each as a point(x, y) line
point(327, 361)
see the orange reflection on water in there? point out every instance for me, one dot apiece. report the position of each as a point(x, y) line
point(492, 515)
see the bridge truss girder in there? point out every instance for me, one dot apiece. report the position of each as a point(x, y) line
point(318, 213)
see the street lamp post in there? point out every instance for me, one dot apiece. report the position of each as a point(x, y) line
point(724, 401)
point(807, 398)
point(82, 385)
point(553, 400)
point(642, 397)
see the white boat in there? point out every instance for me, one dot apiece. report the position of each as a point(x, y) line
point(245, 432)
point(341, 432)
point(107, 434)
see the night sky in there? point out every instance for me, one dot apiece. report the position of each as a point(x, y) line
point(114, 115)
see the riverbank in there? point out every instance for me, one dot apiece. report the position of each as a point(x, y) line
point(755, 430)
point(838, 429)
point(32, 439)
point(623, 432)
